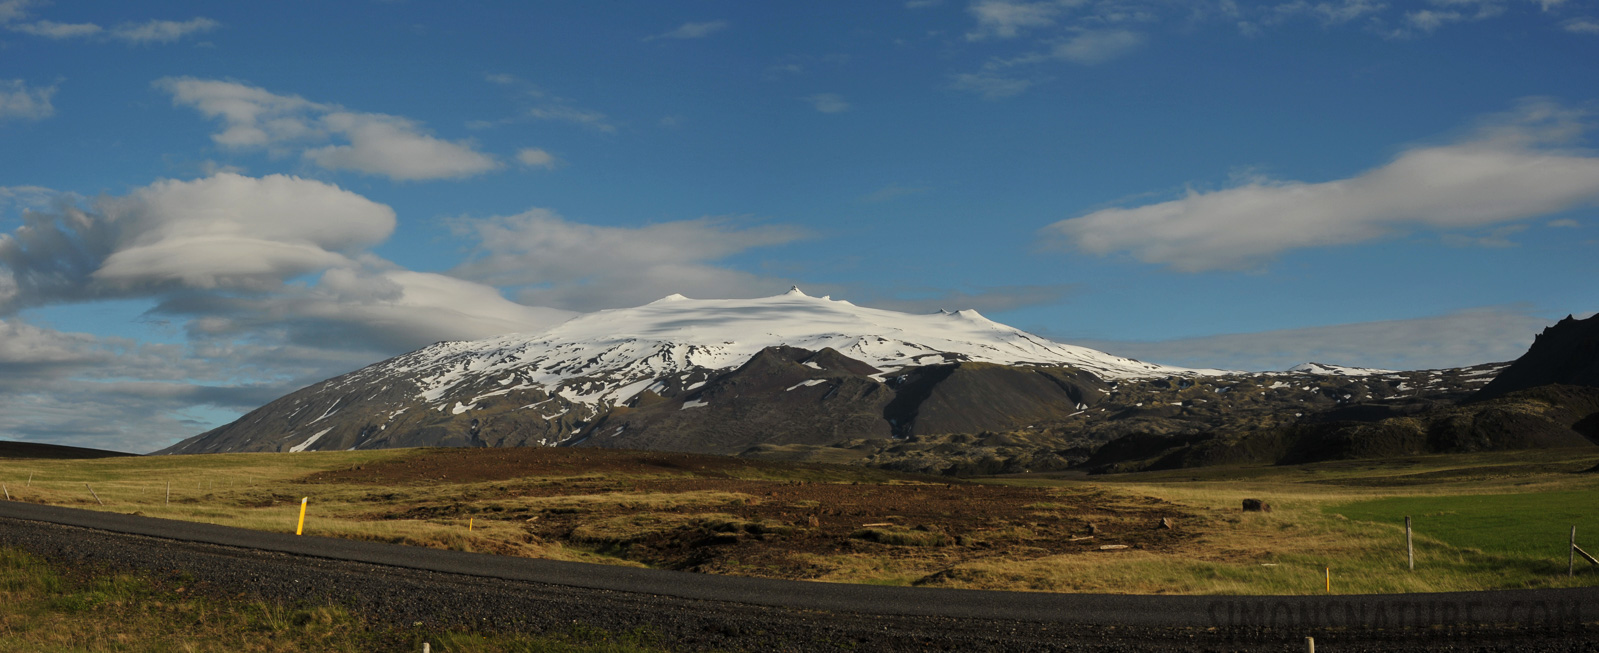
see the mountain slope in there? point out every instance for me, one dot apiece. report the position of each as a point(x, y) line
point(560, 385)
point(1567, 353)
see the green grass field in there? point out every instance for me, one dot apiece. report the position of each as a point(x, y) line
point(1534, 526)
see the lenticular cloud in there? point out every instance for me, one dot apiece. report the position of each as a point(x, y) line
point(1513, 169)
point(224, 231)
point(232, 230)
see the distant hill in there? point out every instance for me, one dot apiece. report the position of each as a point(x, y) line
point(1548, 398)
point(35, 450)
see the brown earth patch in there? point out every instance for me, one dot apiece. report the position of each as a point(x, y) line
point(695, 513)
point(428, 466)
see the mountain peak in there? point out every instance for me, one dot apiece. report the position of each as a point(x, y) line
point(794, 291)
point(1567, 353)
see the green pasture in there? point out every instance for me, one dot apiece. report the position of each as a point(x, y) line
point(1533, 526)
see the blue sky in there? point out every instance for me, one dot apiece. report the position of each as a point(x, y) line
point(206, 205)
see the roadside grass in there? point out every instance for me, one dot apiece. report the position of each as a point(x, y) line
point(50, 608)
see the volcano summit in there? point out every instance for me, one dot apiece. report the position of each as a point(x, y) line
point(698, 375)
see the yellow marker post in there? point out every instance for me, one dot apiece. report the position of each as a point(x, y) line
point(301, 527)
point(1329, 579)
point(469, 524)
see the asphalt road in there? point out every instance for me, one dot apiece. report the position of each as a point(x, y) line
point(696, 610)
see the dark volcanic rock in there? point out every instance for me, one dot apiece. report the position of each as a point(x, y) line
point(971, 397)
point(1566, 353)
point(1551, 416)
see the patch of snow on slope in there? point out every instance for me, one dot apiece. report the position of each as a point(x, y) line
point(806, 384)
point(309, 441)
point(1335, 370)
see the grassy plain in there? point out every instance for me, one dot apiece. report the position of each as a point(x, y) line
point(1483, 521)
point(1496, 520)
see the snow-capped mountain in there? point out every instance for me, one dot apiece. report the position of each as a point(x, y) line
point(1334, 370)
point(636, 348)
point(549, 387)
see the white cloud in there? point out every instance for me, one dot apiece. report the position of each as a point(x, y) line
point(25, 348)
point(1483, 335)
point(404, 310)
point(1095, 47)
point(162, 31)
point(224, 231)
point(18, 100)
point(1006, 19)
point(375, 143)
point(693, 30)
point(209, 167)
point(12, 10)
point(54, 30)
point(991, 87)
point(152, 31)
point(252, 116)
point(230, 257)
point(1565, 223)
point(828, 102)
point(533, 157)
point(28, 197)
point(1329, 13)
point(234, 231)
point(1582, 25)
point(1512, 169)
point(587, 267)
point(567, 113)
point(368, 305)
point(396, 148)
point(1428, 20)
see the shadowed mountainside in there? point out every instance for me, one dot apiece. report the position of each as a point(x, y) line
point(1566, 353)
point(36, 450)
